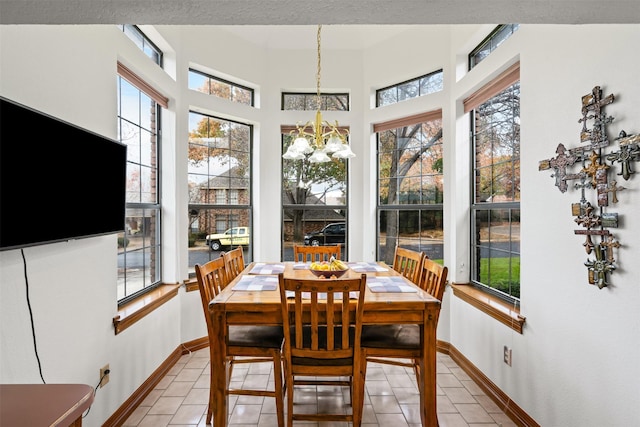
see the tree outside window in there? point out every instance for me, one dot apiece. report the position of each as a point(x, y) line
point(410, 188)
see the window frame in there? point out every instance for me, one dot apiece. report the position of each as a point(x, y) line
point(129, 30)
point(227, 212)
point(324, 99)
point(154, 207)
point(473, 57)
point(231, 84)
point(416, 79)
point(312, 219)
point(419, 208)
point(505, 81)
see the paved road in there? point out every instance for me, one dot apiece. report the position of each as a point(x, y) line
point(200, 255)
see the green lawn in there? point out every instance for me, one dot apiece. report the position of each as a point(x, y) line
point(495, 272)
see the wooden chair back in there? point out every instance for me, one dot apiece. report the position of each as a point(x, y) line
point(433, 278)
point(408, 262)
point(303, 253)
point(234, 262)
point(212, 278)
point(322, 323)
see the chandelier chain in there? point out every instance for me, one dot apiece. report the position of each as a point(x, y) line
point(318, 102)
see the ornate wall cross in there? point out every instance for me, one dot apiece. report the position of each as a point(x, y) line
point(594, 175)
point(613, 189)
point(588, 220)
point(593, 103)
point(598, 269)
point(629, 151)
point(608, 244)
point(560, 164)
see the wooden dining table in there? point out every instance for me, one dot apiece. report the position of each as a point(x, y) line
point(254, 306)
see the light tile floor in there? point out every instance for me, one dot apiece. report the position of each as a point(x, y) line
point(391, 398)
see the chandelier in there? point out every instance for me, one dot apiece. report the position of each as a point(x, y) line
point(319, 138)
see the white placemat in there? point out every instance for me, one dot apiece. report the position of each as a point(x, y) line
point(256, 283)
point(389, 284)
point(366, 267)
point(266, 268)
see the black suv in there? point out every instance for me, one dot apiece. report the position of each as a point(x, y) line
point(331, 234)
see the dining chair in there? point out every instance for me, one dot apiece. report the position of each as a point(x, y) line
point(245, 344)
point(234, 262)
point(322, 340)
point(407, 262)
point(400, 344)
point(302, 253)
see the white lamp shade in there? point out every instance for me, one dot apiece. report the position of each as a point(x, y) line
point(334, 144)
point(301, 145)
point(293, 154)
point(344, 153)
point(319, 156)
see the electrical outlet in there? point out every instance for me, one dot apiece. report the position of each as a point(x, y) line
point(507, 355)
point(104, 375)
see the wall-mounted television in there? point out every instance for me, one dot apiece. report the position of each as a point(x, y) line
point(58, 181)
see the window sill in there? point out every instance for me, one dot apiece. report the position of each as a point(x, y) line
point(493, 306)
point(137, 309)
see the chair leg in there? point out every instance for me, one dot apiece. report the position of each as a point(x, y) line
point(209, 419)
point(357, 402)
point(279, 387)
point(289, 386)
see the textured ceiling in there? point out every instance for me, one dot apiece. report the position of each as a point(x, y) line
point(312, 12)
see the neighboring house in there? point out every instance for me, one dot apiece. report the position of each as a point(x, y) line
point(231, 190)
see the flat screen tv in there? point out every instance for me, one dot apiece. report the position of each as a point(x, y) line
point(58, 181)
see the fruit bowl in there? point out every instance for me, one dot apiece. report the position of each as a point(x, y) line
point(329, 273)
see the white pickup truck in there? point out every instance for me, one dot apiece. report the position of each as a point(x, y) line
point(232, 237)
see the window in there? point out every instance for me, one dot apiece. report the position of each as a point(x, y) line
point(139, 247)
point(410, 186)
point(143, 42)
point(221, 196)
point(221, 88)
point(309, 101)
point(413, 88)
point(314, 196)
point(488, 45)
point(234, 196)
point(495, 208)
point(219, 180)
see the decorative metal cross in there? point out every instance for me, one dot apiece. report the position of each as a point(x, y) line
point(559, 164)
point(588, 220)
point(628, 151)
point(596, 161)
point(598, 269)
point(608, 244)
point(594, 167)
point(593, 103)
point(613, 189)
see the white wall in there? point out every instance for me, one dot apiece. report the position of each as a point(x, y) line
point(70, 73)
point(576, 362)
